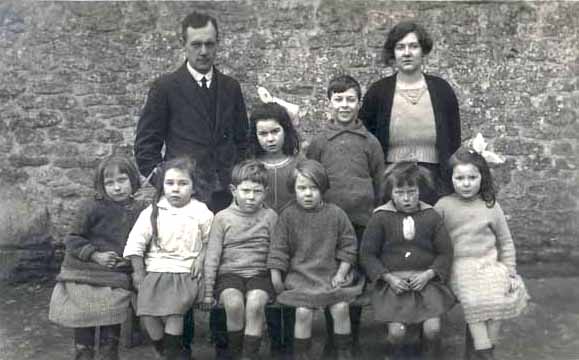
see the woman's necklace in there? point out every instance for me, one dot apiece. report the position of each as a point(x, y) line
point(413, 95)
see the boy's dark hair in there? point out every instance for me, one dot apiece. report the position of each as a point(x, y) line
point(184, 164)
point(312, 170)
point(249, 170)
point(267, 111)
point(342, 83)
point(398, 32)
point(197, 20)
point(468, 156)
point(405, 173)
point(124, 165)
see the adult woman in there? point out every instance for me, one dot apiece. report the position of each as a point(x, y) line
point(414, 115)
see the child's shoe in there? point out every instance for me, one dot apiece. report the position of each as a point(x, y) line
point(343, 346)
point(83, 352)
point(235, 341)
point(251, 346)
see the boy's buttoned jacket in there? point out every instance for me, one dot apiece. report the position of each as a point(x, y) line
point(354, 161)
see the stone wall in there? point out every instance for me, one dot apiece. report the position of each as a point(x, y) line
point(74, 77)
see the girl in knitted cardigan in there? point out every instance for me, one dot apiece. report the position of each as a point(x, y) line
point(93, 288)
point(484, 275)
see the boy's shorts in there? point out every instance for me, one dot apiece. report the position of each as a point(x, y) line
point(261, 281)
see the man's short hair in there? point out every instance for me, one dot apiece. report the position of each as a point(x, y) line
point(197, 20)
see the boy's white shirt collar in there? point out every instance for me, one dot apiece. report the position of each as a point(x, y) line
point(198, 76)
point(389, 206)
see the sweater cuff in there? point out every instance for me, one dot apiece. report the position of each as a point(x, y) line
point(86, 252)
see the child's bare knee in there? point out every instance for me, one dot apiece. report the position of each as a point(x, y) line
point(431, 328)
point(396, 332)
point(232, 301)
point(304, 315)
point(340, 311)
point(256, 301)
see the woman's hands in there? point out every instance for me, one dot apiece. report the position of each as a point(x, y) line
point(397, 284)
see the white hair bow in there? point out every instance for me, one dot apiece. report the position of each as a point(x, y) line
point(292, 109)
point(479, 145)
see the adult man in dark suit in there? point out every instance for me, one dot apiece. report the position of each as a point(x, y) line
point(195, 111)
point(198, 112)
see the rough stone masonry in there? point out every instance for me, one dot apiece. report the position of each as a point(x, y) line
point(74, 77)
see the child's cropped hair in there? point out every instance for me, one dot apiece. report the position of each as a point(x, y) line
point(342, 83)
point(405, 173)
point(468, 156)
point(124, 165)
point(267, 111)
point(249, 170)
point(312, 170)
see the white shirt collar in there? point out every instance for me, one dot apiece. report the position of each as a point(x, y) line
point(197, 75)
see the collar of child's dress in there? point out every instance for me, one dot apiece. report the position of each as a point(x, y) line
point(389, 206)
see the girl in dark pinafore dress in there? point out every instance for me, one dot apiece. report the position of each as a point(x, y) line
point(407, 254)
point(315, 246)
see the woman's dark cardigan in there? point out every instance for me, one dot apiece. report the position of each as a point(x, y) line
point(377, 108)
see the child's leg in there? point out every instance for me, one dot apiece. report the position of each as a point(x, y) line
point(173, 337)
point(155, 328)
point(188, 329)
point(234, 304)
point(480, 335)
point(432, 343)
point(84, 341)
point(494, 328)
point(255, 312)
point(303, 332)
point(342, 329)
point(254, 319)
point(109, 342)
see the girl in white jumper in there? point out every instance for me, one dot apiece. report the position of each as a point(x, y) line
point(166, 248)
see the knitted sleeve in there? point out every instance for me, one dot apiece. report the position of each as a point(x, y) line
point(443, 249)
point(376, 162)
point(205, 226)
point(346, 250)
point(279, 248)
point(140, 235)
point(213, 255)
point(371, 248)
point(505, 244)
point(77, 242)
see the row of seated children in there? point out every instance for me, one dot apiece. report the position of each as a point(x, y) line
point(306, 258)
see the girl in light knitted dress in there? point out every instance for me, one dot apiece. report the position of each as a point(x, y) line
point(484, 275)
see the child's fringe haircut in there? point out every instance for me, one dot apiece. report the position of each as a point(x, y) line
point(405, 173)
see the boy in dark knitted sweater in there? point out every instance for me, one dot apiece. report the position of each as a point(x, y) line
point(236, 274)
point(354, 161)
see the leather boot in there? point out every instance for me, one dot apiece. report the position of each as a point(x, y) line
point(235, 341)
point(251, 346)
point(343, 346)
point(83, 352)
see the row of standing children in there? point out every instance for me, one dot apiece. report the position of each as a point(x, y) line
point(311, 249)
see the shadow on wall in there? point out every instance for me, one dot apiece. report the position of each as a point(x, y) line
point(26, 247)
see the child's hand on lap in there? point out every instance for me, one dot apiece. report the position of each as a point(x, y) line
point(108, 258)
point(397, 284)
point(338, 280)
point(418, 282)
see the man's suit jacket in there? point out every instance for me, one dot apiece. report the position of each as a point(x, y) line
point(177, 115)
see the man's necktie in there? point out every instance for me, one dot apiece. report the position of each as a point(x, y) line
point(204, 83)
